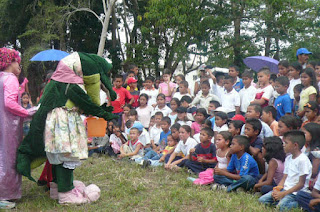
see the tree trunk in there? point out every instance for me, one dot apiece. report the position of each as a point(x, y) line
point(103, 36)
point(237, 13)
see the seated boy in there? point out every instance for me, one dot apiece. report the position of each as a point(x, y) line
point(183, 90)
point(296, 175)
point(156, 130)
point(283, 102)
point(133, 148)
point(268, 116)
point(242, 169)
point(310, 201)
point(252, 129)
point(203, 155)
point(191, 110)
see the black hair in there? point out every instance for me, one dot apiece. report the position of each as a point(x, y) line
point(310, 72)
point(186, 128)
point(152, 117)
point(283, 80)
point(270, 109)
point(118, 76)
point(255, 123)
point(219, 76)
point(167, 71)
point(265, 70)
point(175, 140)
point(186, 98)
point(290, 121)
point(243, 141)
point(127, 105)
point(175, 126)
point(228, 78)
point(235, 67)
point(131, 72)
point(132, 66)
point(274, 149)
point(248, 74)
point(209, 131)
point(222, 115)
point(273, 77)
point(227, 136)
point(298, 87)
point(184, 83)
point(25, 93)
point(207, 122)
point(206, 82)
point(159, 113)
point(161, 95)
point(215, 103)
point(202, 111)
point(133, 112)
point(238, 124)
point(297, 66)
point(314, 130)
point(284, 63)
point(145, 96)
point(312, 105)
point(177, 101)
point(257, 108)
point(183, 78)
point(295, 136)
point(166, 119)
point(129, 123)
point(313, 63)
point(151, 78)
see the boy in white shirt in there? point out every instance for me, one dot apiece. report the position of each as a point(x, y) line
point(265, 90)
point(297, 173)
point(156, 130)
point(218, 80)
point(150, 91)
point(203, 100)
point(183, 90)
point(231, 99)
point(247, 93)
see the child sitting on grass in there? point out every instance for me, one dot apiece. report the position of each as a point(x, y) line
point(223, 143)
point(252, 130)
point(310, 201)
point(296, 175)
point(274, 155)
point(203, 155)
point(133, 148)
point(191, 110)
point(201, 116)
point(242, 164)
point(181, 152)
point(221, 120)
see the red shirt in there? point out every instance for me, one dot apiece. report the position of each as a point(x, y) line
point(122, 95)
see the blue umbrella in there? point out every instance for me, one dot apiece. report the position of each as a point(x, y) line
point(258, 62)
point(49, 55)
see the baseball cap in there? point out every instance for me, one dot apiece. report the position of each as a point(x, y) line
point(131, 80)
point(137, 125)
point(220, 109)
point(239, 117)
point(302, 51)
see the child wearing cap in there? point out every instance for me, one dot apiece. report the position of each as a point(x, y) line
point(132, 83)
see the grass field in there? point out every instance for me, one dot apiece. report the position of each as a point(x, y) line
point(128, 187)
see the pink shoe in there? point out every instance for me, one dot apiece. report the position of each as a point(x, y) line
point(92, 192)
point(53, 190)
point(79, 185)
point(73, 196)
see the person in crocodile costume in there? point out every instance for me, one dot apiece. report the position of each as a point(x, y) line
point(57, 131)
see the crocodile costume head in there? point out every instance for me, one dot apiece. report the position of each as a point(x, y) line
point(75, 83)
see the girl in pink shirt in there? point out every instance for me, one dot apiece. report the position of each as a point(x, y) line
point(167, 87)
point(201, 116)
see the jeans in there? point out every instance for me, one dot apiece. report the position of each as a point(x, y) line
point(152, 155)
point(98, 150)
point(198, 167)
point(303, 199)
point(247, 182)
point(286, 203)
point(181, 164)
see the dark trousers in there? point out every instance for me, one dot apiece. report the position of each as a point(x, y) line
point(247, 182)
point(181, 164)
point(63, 177)
point(303, 198)
point(198, 167)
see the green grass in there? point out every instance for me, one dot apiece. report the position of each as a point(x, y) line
point(128, 187)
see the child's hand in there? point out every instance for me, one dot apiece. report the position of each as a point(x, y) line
point(167, 166)
point(313, 203)
point(278, 195)
point(161, 159)
point(200, 159)
point(192, 150)
point(122, 155)
point(219, 171)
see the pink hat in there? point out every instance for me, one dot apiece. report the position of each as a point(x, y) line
point(131, 80)
point(239, 117)
point(7, 56)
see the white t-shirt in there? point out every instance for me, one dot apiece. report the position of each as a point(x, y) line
point(219, 129)
point(247, 95)
point(295, 168)
point(144, 137)
point(178, 95)
point(293, 82)
point(152, 94)
point(165, 110)
point(155, 134)
point(217, 90)
point(189, 123)
point(266, 92)
point(230, 100)
point(317, 184)
point(144, 115)
point(184, 148)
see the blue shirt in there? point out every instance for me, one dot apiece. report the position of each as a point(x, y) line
point(246, 165)
point(213, 120)
point(238, 85)
point(258, 143)
point(283, 104)
point(164, 137)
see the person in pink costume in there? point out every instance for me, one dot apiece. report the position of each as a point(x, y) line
point(10, 126)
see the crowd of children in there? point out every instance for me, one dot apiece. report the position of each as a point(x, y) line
point(262, 136)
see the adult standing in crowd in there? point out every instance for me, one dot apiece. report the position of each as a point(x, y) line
point(303, 56)
point(10, 126)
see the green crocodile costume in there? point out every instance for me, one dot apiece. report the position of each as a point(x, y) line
point(74, 84)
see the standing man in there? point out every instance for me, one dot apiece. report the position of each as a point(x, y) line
point(303, 56)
